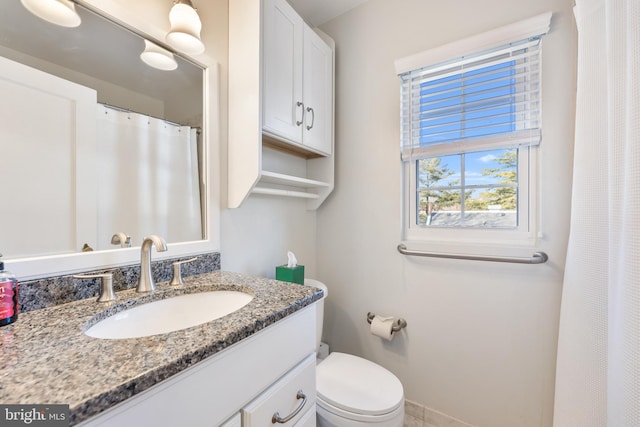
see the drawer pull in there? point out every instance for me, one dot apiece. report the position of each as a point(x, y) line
point(313, 117)
point(300, 104)
point(276, 417)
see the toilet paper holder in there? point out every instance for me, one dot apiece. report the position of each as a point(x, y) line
point(397, 324)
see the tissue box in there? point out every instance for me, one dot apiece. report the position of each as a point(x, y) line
point(290, 274)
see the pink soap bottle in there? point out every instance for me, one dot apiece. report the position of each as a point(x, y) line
point(8, 296)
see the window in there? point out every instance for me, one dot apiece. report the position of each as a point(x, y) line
point(470, 127)
point(478, 189)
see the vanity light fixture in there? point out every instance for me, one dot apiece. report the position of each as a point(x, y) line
point(59, 12)
point(184, 35)
point(158, 57)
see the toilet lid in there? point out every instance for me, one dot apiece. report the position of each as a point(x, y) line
point(357, 385)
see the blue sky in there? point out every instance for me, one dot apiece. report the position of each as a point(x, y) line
point(475, 163)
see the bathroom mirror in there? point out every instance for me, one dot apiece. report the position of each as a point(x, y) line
point(67, 193)
point(103, 59)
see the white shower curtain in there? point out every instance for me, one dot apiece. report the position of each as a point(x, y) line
point(147, 178)
point(598, 366)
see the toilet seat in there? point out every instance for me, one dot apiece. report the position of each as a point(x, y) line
point(357, 388)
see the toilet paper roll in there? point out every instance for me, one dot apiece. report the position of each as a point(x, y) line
point(381, 326)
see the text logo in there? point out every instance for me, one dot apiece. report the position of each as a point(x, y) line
point(34, 415)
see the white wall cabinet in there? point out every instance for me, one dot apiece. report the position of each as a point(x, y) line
point(215, 390)
point(280, 104)
point(297, 80)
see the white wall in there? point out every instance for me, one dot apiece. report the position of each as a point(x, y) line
point(257, 236)
point(481, 338)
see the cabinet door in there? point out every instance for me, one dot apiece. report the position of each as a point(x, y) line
point(318, 92)
point(283, 32)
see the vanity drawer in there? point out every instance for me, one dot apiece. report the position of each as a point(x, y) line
point(308, 419)
point(293, 393)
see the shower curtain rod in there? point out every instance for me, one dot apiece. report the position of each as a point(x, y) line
point(537, 258)
point(126, 110)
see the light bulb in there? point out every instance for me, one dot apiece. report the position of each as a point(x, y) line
point(185, 29)
point(158, 57)
point(59, 12)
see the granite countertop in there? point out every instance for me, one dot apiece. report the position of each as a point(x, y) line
point(47, 359)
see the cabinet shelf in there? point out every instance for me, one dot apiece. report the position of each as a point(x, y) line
point(290, 180)
point(280, 179)
point(280, 192)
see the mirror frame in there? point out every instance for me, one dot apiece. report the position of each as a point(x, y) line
point(54, 265)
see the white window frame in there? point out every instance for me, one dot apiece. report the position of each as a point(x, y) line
point(526, 233)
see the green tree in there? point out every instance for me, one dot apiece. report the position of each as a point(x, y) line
point(477, 204)
point(506, 172)
point(431, 173)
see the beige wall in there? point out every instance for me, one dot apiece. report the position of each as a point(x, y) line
point(481, 338)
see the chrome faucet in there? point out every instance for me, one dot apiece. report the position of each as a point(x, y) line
point(146, 284)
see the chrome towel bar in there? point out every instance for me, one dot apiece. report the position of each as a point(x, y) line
point(536, 258)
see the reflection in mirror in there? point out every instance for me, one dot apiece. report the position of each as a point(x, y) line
point(94, 141)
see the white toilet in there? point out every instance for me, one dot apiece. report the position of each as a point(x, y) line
point(352, 391)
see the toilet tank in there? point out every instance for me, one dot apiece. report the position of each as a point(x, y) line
point(319, 308)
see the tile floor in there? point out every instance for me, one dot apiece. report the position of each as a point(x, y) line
point(416, 415)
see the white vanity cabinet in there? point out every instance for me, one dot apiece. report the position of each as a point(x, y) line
point(235, 421)
point(215, 391)
point(281, 104)
point(297, 80)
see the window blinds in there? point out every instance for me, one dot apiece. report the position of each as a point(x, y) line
point(486, 97)
point(484, 101)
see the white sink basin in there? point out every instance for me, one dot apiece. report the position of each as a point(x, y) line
point(168, 315)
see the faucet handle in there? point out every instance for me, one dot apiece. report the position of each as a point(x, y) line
point(106, 285)
point(176, 280)
point(122, 239)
